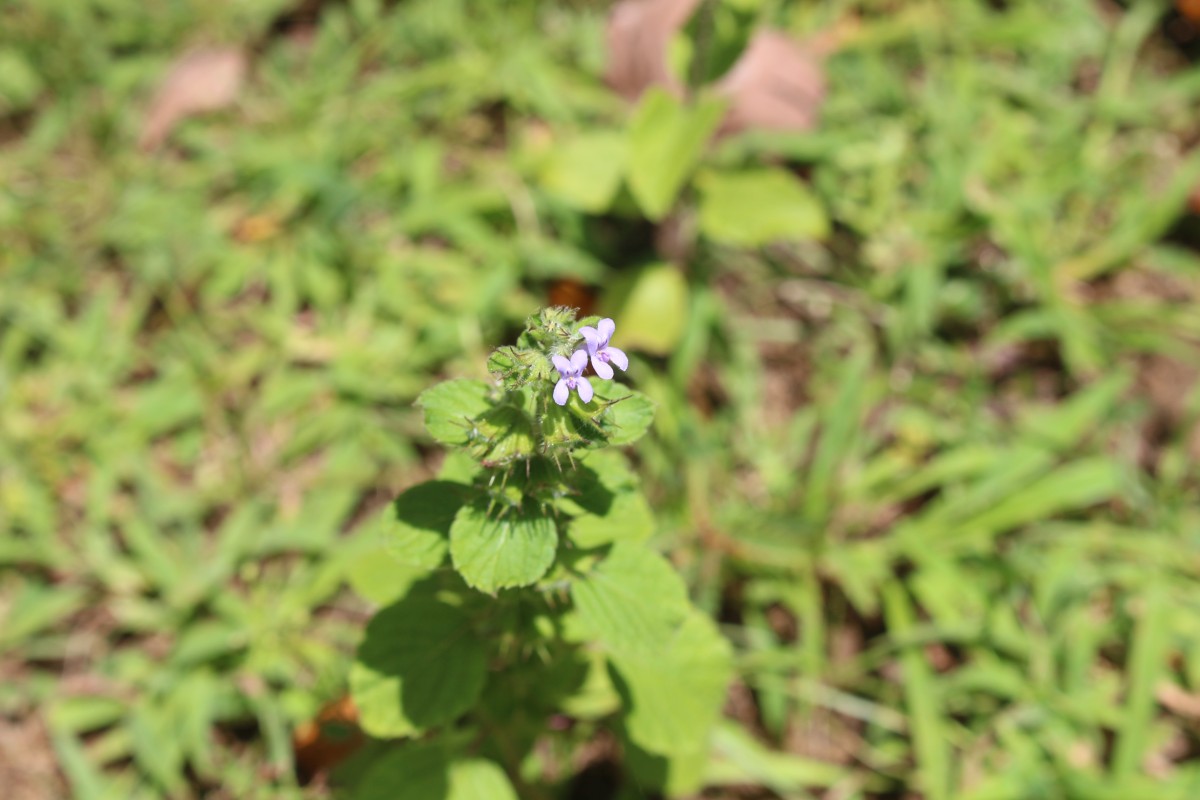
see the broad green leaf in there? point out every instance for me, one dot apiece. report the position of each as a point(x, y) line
point(621, 414)
point(419, 665)
point(416, 527)
point(666, 139)
point(674, 692)
point(451, 408)
point(479, 779)
point(627, 518)
point(379, 579)
point(429, 772)
point(411, 772)
point(652, 309)
point(607, 505)
point(758, 206)
point(633, 601)
point(595, 697)
point(586, 171)
point(679, 774)
point(507, 547)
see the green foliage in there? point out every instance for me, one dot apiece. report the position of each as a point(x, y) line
point(666, 140)
point(553, 530)
point(915, 415)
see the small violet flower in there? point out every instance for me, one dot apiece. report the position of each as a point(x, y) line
point(597, 346)
point(572, 378)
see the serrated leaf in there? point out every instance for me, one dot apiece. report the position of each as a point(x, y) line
point(620, 414)
point(501, 550)
point(452, 406)
point(426, 772)
point(757, 206)
point(674, 692)
point(412, 772)
point(606, 505)
point(666, 139)
point(628, 517)
point(633, 601)
point(420, 664)
point(416, 527)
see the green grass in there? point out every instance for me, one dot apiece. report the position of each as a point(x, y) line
point(917, 467)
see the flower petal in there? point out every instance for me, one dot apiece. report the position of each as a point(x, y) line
point(617, 356)
point(602, 369)
point(561, 392)
point(584, 387)
point(562, 365)
point(591, 336)
point(579, 360)
point(607, 328)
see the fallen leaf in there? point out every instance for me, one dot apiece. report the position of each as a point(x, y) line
point(1189, 8)
point(777, 84)
point(639, 33)
point(200, 81)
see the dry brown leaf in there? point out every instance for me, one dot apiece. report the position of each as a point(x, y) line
point(777, 84)
point(200, 81)
point(639, 33)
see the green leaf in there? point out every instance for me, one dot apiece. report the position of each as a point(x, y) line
point(416, 527)
point(412, 772)
point(673, 693)
point(479, 779)
point(1148, 660)
point(633, 601)
point(758, 206)
point(606, 505)
point(426, 772)
point(420, 665)
point(922, 697)
point(504, 433)
point(672, 774)
point(451, 408)
point(585, 171)
point(666, 139)
point(628, 518)
point(377, 578)
point(502, 549)
point(653, 308)
point(620, 414)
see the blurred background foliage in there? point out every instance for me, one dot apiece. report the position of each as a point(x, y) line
point(927, 433)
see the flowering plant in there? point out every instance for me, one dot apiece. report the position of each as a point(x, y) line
point(534, 609)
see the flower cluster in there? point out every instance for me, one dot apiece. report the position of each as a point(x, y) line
point(599, 352)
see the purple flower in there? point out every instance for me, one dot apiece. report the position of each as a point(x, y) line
point(597, 345)
point(572, 378)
